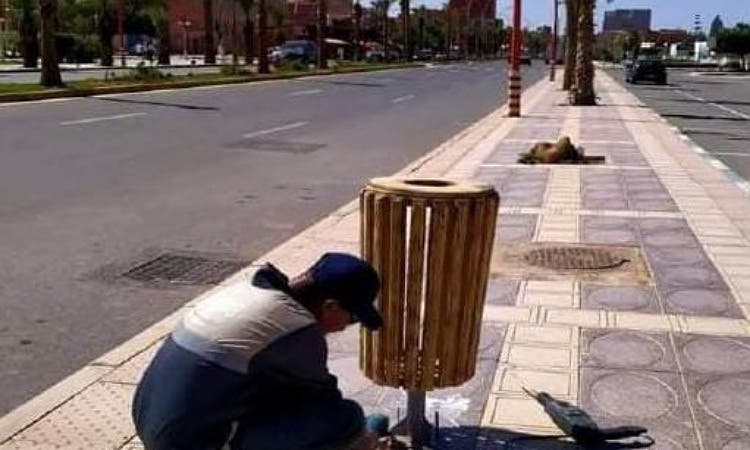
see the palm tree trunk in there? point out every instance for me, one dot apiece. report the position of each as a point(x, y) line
point(386, 5)
point(262, 37)
point(50, 64)
point(406, 24)
point(583, 93)
point(249, 32)
point(209, 52)
point(322, 19)
point(571, 42)
point(165, 44)
point(357, 15)
point(28, 34)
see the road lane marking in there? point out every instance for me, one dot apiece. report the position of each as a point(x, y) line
point(307, 92)
point(721, 107)
point(730, 110)
point(290, 126)
point(102, 119)
point(403, 99)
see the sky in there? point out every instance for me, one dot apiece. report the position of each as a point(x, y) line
point(664, 13)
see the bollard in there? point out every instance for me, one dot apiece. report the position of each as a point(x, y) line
point(431, 242)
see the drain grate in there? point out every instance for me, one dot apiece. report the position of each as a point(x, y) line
point(183, 269)
point(574, 258)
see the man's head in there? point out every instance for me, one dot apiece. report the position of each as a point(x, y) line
point(340, 290)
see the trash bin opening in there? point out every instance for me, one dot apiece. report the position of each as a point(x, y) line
point(429, 182)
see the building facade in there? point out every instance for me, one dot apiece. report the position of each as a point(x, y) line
point(627, 20)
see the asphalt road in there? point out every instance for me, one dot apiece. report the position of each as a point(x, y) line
point(92, 187)
point(714, 110)
point(75, 75)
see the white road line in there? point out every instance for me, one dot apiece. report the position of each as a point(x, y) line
point(721, 107)
point(290, 126)
point(403, 99)
point(102, 119)
point(730, 110)
point(307, 92)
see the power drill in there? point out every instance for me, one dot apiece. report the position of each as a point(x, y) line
point(576, 423)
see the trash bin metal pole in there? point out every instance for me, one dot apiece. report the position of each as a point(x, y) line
point(419, 429)
point(414, 290)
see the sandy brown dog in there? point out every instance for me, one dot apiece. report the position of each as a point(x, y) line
point(562, 151)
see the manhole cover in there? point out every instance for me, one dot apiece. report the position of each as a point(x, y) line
point(570, 258)
point(183, 269)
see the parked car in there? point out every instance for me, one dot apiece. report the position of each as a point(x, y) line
point(524, 59)
point(646, 69)
point(299, 50)
point(424, 54)
point(274, 55)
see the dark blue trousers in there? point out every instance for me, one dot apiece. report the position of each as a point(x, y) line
point(185, 402)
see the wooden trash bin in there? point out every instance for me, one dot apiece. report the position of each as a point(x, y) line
point(431, 241)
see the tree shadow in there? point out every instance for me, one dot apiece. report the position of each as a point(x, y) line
point(484, 438)
point(353, 83)
point(718, 102)
point(704, 117)
point(155, 103)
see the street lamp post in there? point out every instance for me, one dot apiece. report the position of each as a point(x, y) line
point(553, 52)
point(514, 77)
point(185, 24)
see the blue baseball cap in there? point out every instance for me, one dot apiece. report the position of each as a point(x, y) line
point(352, 282)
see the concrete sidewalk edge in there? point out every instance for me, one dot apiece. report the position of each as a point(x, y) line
point(442, 158)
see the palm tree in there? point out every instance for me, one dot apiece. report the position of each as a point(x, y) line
point(106, 28)
point(384, 5)
point(278, 19)
point(357, 22)
point(322, 19)
point(248, 30)
point(262, 37)
point(50, 64)
point(583, 93)
point(28, 31)
point(406, 27)
point(157, 11)
point(571, 42)
point(209, 53)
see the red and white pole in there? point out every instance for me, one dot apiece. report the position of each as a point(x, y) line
point(514, 76)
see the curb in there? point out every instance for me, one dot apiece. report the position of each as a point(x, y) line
point(142, 87)
point(47, 401)
point(102, 68)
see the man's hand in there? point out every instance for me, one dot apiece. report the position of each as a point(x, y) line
point(370, 441)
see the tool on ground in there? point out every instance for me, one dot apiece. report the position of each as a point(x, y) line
point(576, 423)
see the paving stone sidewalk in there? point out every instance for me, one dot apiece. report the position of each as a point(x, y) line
point(662, 340)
